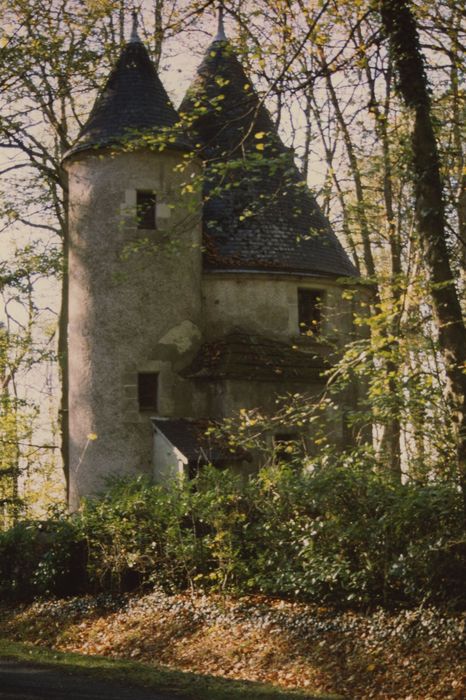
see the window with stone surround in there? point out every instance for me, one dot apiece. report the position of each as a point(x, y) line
point(148, 385)
point(286, 445)
point(310, 311)
point(146, 203)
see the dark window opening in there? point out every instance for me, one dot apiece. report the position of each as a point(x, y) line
point(145, 209)
point(148, 391)
point(309, 311)
point(286, 445)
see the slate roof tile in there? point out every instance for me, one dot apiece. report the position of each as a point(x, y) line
point(258, 212)
point(240, 355)
point(190, 438)
point(132, 103)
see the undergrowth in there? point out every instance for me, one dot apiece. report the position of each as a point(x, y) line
point(341, 535)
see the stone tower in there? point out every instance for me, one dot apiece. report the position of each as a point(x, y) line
point(186, 310)
point(135, 275)
point(273, 269)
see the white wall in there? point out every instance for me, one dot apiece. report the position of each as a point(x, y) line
point(169, 463)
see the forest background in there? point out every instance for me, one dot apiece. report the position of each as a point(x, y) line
point(370, 95)
point(371, 98)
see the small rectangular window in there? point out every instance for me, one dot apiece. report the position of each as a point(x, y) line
point(309, 311)
point(286, 445)
point(148, 391)
point(146, 209)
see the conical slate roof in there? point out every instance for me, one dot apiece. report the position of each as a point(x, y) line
point(132, 104)
point(258, 212)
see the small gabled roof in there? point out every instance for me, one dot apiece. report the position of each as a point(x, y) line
point(132, 104)
point(240, 355)
point(190, 437)
point(258, 212)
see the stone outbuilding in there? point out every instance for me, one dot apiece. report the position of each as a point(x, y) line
point(189, 302)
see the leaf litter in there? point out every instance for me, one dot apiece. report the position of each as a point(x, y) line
point(410, 655)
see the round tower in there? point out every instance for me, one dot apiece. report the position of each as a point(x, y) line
point(274, 272)
point(134, 275)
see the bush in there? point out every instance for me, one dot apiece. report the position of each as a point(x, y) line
point(338, 534)
point(139, 532)
point(174, 536)
point(349, 535)
point(42, 558)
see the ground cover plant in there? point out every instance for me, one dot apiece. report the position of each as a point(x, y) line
point(413, 653)
point(341, 534)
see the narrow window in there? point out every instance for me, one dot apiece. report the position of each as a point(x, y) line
point(286, 445)
point(309, 311)
point(145, 209)
point(147, 391)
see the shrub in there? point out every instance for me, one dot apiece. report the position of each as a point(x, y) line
point(173, 536)
point(139, 532)
point(42, 558)
point(339, 533)
point(346, 535)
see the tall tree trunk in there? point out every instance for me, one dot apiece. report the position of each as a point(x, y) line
point(391, 438)
point(459, 169)
point(401, 30)
point(63, 343)
point(158, 32)
point(355, 169)
point(390, 442)
point(329, 150)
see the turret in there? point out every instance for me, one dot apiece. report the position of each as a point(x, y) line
point(259, 213)
point(134, 271)
point(274, 270)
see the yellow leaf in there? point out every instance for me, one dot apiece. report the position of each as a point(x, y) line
point(260, 146)
point(259, 135)
point(92, 436)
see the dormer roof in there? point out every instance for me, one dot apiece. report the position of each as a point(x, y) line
point(240, 355)
point(258, 214)
point(132, 104)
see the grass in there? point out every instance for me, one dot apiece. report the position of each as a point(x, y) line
point(190, 686)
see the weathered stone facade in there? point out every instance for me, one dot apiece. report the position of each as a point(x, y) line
point(149, 302)
point(132, 309)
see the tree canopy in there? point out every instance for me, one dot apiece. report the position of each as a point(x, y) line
point(371, 97)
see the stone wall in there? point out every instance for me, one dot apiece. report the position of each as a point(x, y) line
point(267, 304)
point(135, 306)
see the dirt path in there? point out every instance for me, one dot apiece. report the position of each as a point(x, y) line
point(22, 681)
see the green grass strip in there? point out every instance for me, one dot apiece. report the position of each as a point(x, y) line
point(191, 686)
